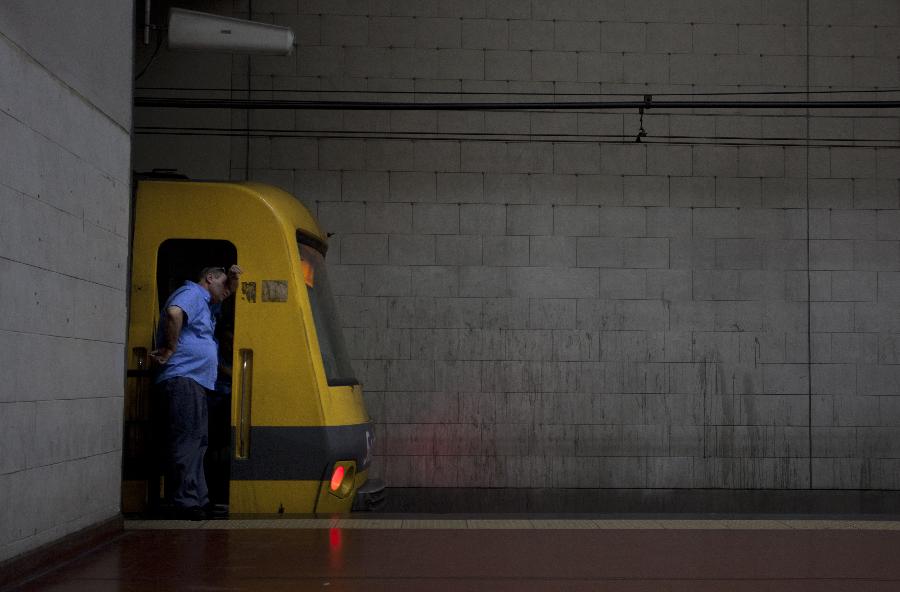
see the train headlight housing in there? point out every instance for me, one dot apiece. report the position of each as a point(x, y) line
point(343, 475)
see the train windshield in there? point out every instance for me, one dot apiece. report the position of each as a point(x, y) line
point(338, 370)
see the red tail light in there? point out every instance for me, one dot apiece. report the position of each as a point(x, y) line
point(337, 478)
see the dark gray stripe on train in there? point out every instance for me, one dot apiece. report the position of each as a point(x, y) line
point(302, 453)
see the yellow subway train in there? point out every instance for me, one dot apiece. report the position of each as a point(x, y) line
point(297, 437)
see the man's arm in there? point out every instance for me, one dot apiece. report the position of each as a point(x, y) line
point(174, 321)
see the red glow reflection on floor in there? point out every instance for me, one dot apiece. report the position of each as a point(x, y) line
point(335, 548)
point(334, 537)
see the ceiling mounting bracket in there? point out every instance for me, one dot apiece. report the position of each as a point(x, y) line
point(642, 133)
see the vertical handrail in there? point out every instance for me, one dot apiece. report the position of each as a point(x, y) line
point(242, 450)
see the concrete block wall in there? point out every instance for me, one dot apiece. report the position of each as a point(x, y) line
point(65, 123)
point(535, 300)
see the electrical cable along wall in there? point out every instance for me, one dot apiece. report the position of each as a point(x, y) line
point(587, 249)
point(624, 107)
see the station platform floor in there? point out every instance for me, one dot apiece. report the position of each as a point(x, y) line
point(521, 553)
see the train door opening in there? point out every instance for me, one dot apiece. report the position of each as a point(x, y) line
point(180, 260)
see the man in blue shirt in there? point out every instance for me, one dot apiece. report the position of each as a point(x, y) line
point(188, 356)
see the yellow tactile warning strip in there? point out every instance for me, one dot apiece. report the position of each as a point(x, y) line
point(501, 524)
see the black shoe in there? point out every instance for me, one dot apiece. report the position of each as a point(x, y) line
point(194, 513)
point(216, 511)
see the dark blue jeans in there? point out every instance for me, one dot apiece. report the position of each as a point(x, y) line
point(188, 430)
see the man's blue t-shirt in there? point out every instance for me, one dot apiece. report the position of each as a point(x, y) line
point(196, 354)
